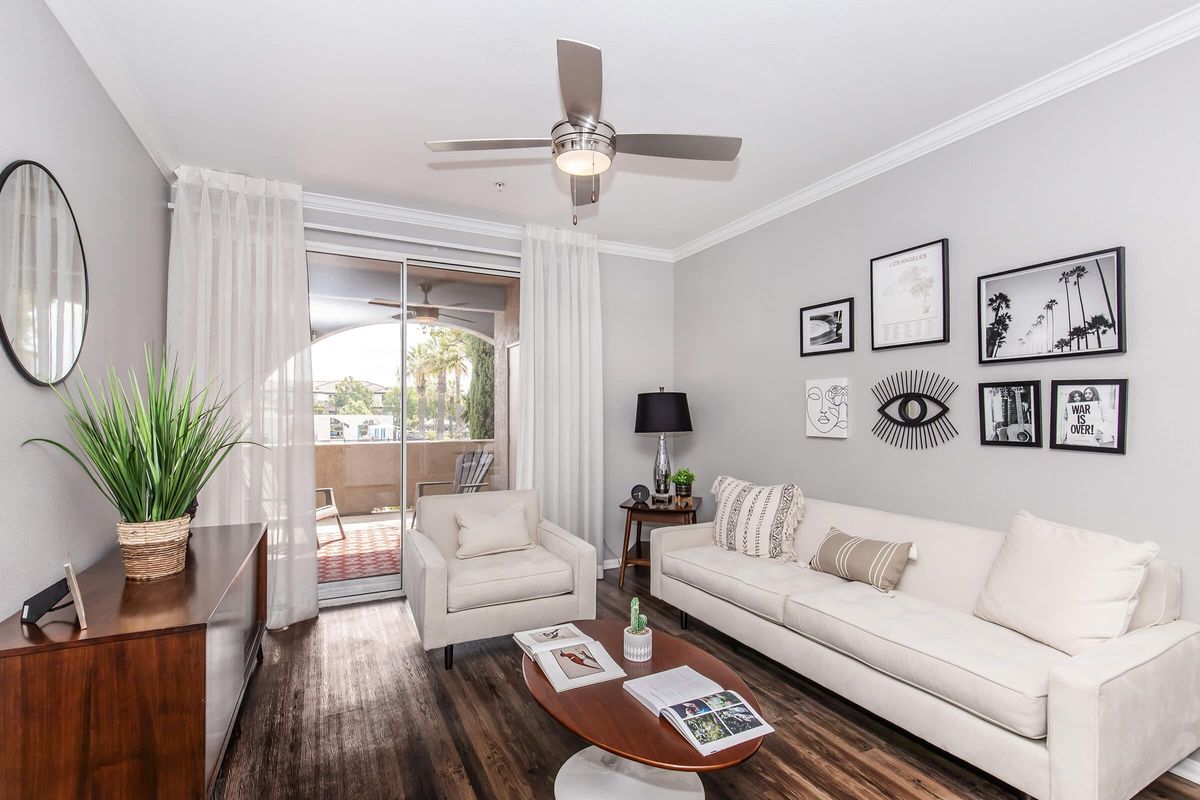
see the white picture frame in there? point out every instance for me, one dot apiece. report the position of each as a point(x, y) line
point(827, 408)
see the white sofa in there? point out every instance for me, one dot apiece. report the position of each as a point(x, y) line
point(1100, 725)
point(457, 600)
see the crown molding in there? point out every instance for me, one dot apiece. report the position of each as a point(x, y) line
point(1150, 41)
point(383, 212)
point(87, 34)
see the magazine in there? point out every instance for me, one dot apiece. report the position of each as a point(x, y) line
point(708, 716)
point(541, 639)
point(568, 658)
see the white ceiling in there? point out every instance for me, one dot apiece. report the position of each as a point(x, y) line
point(341, 96)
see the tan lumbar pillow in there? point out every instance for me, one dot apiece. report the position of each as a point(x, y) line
point(482, 534)
point(869, 561)
point(1067, 587)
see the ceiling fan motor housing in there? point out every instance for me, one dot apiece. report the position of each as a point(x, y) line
point(566, 138)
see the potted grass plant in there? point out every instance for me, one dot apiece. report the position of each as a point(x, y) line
point(149, 453)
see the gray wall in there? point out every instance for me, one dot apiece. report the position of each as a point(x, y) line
point(1114, 163)
point(55, 112)
point(638, 318)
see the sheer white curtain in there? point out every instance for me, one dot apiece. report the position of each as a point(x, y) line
point(561, 450)
point(237, 308)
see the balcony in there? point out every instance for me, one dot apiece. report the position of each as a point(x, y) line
point(365, 478)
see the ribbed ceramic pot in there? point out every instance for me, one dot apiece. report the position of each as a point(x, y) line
point(638, 646)
point(152, 550)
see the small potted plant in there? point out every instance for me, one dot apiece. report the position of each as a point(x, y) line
point(683, 478)
point(149, 453)
point(638, 644)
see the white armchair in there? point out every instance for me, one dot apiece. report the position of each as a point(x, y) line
point(457, 600)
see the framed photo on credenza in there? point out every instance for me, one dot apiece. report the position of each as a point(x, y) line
point(1057, 309)
point(910, 296)
point(827, 328)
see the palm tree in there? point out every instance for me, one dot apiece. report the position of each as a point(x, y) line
point(1078, 334)
point(1099, 324)
point(1041, 325)
point(1061, 344)
point(999, 303)
point(1107, 299)
point(1079, 272)
point(1050, 304)
point(1065, 280)
point(454, 361)
point(421, 363)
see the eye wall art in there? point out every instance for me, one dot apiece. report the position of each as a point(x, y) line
point(827, 407)
point(913, 408)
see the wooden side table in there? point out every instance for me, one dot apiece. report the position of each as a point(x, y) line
point(665, 514)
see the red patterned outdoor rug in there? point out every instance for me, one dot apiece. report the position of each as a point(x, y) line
point(368, 550)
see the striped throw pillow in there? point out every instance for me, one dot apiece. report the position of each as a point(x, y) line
point(759, 521)
point(854, 558)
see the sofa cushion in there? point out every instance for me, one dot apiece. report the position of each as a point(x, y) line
point(876, 563)
point(1070, 588)
point(505, 578)
point(991, 671)
point(483, 534)
point(757, 585)
point(757, 520)
point(1161, 598)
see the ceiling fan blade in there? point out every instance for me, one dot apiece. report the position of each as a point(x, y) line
point(581, 81)
point(463, 145)
point(585, 190)
point(383, 301)
point(680, 145)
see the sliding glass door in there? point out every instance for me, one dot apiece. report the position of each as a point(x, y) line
point(412, 397)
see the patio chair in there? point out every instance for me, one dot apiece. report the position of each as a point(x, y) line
point(327, 508)
point(470, 469)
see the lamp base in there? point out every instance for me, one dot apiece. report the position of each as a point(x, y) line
point(662, 469)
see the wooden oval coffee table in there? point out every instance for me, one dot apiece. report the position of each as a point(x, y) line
point(636, 755)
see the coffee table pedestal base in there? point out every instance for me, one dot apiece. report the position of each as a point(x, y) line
point(595, 774)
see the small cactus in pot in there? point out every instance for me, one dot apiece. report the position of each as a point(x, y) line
point(638, 642)
point(637, 620)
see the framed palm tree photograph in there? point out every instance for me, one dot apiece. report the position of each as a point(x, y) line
point(1057, 309)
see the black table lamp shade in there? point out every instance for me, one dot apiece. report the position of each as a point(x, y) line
point(662, 412)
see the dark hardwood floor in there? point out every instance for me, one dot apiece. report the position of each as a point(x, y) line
point(349, 706)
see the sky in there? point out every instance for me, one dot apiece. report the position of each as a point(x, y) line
point(370, 353)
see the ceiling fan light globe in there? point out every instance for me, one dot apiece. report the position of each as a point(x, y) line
point(582, 162)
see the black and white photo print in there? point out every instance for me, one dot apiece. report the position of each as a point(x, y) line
point(1070, 307)
point(827, 328)
point(1089, 415)
point(1010, 414)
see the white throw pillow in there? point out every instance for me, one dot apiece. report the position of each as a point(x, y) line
point(1069, 588)
point(481, 534)
point(759, 521)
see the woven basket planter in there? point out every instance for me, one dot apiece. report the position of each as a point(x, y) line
point(152, 550)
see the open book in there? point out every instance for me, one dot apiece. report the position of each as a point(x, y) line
point(568, 657)
point(709, 717)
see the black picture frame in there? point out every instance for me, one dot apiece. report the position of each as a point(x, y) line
point(847, 326)
point(1118, 418)
point(879, 262)
point(1011, 435)
point(1044, 343)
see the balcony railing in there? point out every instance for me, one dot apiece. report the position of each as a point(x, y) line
point(365, 476)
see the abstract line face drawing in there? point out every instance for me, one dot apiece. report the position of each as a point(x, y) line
point(913, 408)
point(827, 407)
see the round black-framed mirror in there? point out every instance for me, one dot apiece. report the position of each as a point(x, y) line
point(44, 291)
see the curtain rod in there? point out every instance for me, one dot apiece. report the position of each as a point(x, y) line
point(395, 237)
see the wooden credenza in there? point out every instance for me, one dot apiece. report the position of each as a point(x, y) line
point(142, 703)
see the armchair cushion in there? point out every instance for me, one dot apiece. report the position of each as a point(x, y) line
point(483, 534)
point(506, 578)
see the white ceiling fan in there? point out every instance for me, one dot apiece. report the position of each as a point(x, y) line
point(425, 313)
point(583, 145)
